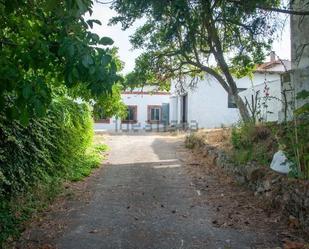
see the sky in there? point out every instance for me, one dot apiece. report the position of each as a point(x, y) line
point(102, 12)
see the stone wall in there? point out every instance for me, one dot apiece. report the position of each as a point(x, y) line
point(290, 196)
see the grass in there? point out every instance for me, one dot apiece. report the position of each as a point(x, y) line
point(90, 161)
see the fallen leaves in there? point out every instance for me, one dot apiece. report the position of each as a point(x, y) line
point(47, 246)
point(294, 245)
point(236, 207)
point(293, 222)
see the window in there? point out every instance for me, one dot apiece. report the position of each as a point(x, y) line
point(231, 101)
point(100, 115)
point(154, 113)
point(131, 115)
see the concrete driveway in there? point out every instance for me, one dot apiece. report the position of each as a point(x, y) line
point(143, 198)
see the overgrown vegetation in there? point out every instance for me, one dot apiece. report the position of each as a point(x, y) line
point(35, 159)
point(48, 46)
point(260, 142)
point(184, 40)
point(253, 143)
point(295, 137)
point(48, 57)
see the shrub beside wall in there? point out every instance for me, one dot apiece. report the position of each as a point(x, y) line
point(253, 143)
point(35, 158)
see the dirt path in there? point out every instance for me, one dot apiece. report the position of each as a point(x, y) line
point(142, 198)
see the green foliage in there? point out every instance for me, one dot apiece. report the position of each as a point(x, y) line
point(260, 142)
point(36, 158)
point(111, 105)
point(185, 39)
point(253, 143)
point(84, 165)
point(49, 56)
point(192, 142)
point(46, 45)
point(143, 75)
point(294, 136)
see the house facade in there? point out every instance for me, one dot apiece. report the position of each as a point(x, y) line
point(204, 104)
point(207, 105)
point(147, 110)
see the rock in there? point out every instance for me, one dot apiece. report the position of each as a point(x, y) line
point(241, 179)
point(306, 203)
point(267, 185)
point(260, 189)
point(255, 174)
point(293, 222)
point(285, 194)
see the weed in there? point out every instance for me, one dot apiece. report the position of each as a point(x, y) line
point(253, 143)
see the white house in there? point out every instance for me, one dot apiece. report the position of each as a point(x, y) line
point(208, 105)
point(146, 110)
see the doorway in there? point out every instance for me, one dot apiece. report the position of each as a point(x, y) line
point(184, 109)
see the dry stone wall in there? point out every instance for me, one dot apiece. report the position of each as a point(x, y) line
point(288, 195)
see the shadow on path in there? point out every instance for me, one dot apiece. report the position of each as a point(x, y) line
point(142, 198)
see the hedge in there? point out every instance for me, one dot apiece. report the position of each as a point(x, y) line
point(35, 158)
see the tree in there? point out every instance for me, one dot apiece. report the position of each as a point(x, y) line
point(184, 38)
point(46, 48)
point(111, 105)
point(285, 8)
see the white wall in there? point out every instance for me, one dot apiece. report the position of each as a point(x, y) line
point(269, 106)
point(208, 101)
point(141, 101)
point(174, 109)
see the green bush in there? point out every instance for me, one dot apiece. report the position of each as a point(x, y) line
point(293, 138)
point(253, 143)
point(192, 141)
point(36, 158)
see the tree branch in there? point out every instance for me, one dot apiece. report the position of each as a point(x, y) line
point(212, 72)
point(279, 10)
point(285, 11)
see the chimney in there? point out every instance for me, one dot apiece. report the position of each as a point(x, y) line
point(272, 56)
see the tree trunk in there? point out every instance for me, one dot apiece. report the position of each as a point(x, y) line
point(242, 108)
point(215, 46)
point(230, 87)
point(244, 113)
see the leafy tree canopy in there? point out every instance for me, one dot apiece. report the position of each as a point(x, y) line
point(181, 38)
point(46, 48)
point(111, 105)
